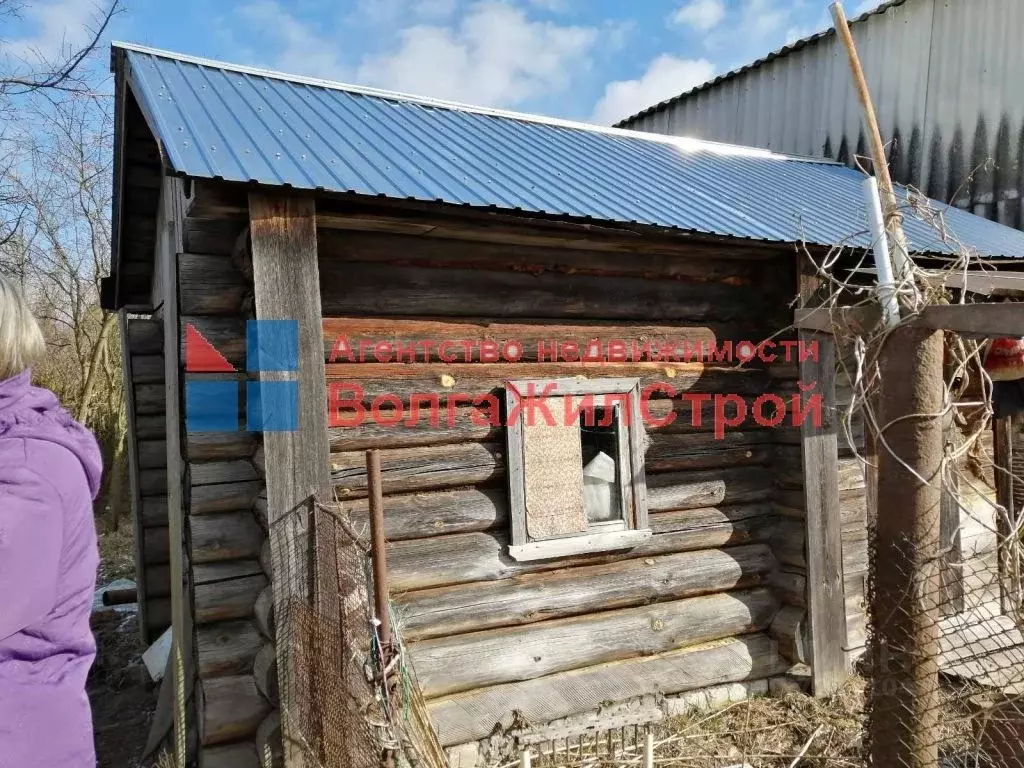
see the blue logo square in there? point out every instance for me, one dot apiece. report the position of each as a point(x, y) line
point(272, 345)
point(211, 406)
point(272, 406)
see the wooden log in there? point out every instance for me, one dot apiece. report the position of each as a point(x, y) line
point(399, 249)
point(224, 497)
point(259, 460)
point(226, 600)
point(263, 613)
point(150, 426)
point(706, 488)
point(259, 509)
point(392, 290)
point(791, 587)
point(156, 546)
point(220, 446)
point(150, 399)
point(226, 334)
point(410, 469)
point(207, 573)
point(147, 369)
point(465, 662)
point(675, 452)
point(403, 380)
point(423, 515)
point(472, 557)
point(789, 470)
point(241, 755)
point(227, 536)
point(232, 709)
point(145, 336)
point(158, 580)
point(381, 340)
point(154, 511)
point(152, 454)
point(153, 482)
point(210, 285)
point(227, 648)
point(572, 591)
point(215, 472)
point(473, 715)
point(789, 629)
point(264, 672)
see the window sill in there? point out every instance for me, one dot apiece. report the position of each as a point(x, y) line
point(578, 545)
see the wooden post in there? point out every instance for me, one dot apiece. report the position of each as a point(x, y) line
point(826, 600)
point(907, 595)
point(1002, 430)
point(379, 551)
point(287, 287)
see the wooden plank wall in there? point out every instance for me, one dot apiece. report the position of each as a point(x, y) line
point(487, 633)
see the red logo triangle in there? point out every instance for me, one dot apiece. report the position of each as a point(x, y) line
point(200, 355)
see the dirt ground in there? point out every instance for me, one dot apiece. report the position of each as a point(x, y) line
point(122, 695)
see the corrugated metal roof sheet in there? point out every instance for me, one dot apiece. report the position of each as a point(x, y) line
point(238, 124)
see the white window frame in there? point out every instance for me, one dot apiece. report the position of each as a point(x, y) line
point(625, 533)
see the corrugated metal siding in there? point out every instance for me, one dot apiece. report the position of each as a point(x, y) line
point(218, 122)
point(947, 80)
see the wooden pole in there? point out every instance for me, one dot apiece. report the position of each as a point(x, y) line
point(378, 547)
point(890, 206)
point(907, 594)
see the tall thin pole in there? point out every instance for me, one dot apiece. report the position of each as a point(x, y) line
point(890, 206)
point(378, 548)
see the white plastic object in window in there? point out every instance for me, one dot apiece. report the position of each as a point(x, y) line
point(599, 498)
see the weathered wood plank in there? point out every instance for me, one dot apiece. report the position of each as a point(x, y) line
point(572, 591)
point(287, 287)
point(232, 709)
point(225, 536)
point(156, 545)
point(424, 515)
point(150, 426)
point(211, 285)
point(789, 470)
point(789, 629)
point(153, 482)
point(826, 612)
point(226, 600)
point(208, 573)
point(147, 369)
point(241, 755)
point(150, 399)
point(227, 648)
point(152, 454)
point(473, 715)
point(394, 290)
point(264, 671)
point(706, 488)
point(474, 557)
point(132, 441)
point(145, 336)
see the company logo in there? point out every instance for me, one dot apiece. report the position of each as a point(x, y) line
point(212, 385)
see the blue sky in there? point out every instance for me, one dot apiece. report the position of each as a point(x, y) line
point(597, 60)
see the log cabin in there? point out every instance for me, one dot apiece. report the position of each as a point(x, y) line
point(433, 264)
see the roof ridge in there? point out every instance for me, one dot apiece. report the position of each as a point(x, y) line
point(684, 143)
point(778, 53)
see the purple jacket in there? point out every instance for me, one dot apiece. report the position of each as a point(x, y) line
point(49, 474)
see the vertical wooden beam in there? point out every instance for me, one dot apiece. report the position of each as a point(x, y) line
point(168, 244)
point(287, 287)
point(949, 534)
point(1003, 448)
point(826, 601)
point(131, 453)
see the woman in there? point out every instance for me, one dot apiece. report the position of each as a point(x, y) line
point(49, 474)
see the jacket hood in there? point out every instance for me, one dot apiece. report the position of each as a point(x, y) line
point(33, 413)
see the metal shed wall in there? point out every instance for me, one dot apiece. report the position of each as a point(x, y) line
point(947, 79)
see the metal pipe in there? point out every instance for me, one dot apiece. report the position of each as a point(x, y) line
point(378, 547)
point(880, 248)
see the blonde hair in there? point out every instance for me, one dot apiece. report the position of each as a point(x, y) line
point(21, 341)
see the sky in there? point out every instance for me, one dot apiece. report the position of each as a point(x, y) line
point(593, 60)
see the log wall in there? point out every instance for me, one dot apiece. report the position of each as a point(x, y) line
point(486, 633)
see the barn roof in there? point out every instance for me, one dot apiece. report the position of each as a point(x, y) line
point(220, 121)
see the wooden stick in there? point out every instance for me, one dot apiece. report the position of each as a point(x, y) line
point(807, 745)
point(893, 219)
point(378, 547)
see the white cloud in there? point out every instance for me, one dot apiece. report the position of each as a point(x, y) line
point(57, 27)
point(494, 56)
point(665, 77)
point(702, 15)
point(301, 48)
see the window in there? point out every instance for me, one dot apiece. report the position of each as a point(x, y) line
point(576, 467)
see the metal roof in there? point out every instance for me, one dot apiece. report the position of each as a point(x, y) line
point(220, 121)
point(785, 50)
